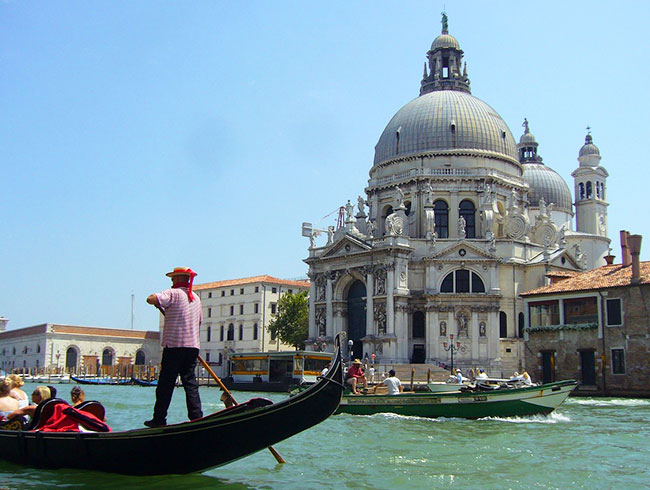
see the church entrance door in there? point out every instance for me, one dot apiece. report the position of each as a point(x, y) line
point(357, 317)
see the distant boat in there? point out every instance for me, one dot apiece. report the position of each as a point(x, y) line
point(509, 402)
point(101, 381)
point(142, 382)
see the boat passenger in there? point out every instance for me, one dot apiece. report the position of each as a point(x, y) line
point(77, 396)
point(16, 392)
point(7, 402)
point(516, 377)
point(40, 394)
point(393, 383)
point(181, 344)
point(326, 369)
point(459, 377)
point(481, 374)
point(355, 376)
point(526, 378)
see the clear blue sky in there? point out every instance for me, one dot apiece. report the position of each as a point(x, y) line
point(139, 136)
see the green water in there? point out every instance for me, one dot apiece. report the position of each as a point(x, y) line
point(586, 443)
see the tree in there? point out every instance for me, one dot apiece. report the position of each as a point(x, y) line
point(291, 323)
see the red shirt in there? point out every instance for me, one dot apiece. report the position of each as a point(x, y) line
point(355, 371)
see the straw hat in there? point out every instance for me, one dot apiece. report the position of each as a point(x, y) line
point(357, 361)
point(181, 271)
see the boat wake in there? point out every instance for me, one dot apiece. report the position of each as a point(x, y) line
point(612, 402)
point(552, 418)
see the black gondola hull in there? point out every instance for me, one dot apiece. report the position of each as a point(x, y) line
point(188, 447)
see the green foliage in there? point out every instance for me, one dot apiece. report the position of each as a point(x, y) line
point(291, 322)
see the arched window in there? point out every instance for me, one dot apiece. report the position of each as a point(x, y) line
point(241, 332)
point(467, 211)
point(441, 211)
point(462, 281)
point(602, 191)
point(503, 324)
point(255, 331)
point(107, 357)
point(598, 189)
point(231, 332)
point(221, 333)
point(521, 325)
point(581, 190)
point(418, 324)
point(140, 358)
point(589, 190)
point(407, 204)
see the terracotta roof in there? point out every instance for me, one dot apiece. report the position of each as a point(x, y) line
point(608, 276)
point(250, 280)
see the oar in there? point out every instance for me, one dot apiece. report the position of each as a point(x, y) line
point(230, 401)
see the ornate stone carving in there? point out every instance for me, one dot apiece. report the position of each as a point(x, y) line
point(394, 224)
point(321, 322)
point(516, 226)
point(380, 281)
point(379, 312)
point(443, 328)
point(462, 325)
point(481, 329)
point(321, 283)
point(461, 227)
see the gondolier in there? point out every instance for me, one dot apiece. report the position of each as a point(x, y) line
point(180, 341)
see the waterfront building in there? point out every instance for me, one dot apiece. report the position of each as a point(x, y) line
point(594, 327)
point(55, 348)
point(457, 220)
point(236, 315)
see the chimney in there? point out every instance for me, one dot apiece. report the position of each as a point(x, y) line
point(634, 242)
point(626, 259)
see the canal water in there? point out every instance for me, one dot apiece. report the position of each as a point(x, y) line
point(586, 443)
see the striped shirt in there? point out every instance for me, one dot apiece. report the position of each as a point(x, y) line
point(182, 318)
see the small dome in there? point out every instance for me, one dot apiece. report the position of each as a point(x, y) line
point(527, 138)
point(547, 183)
point(444, 41)
point(588, 148)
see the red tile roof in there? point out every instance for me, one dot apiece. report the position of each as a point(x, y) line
point(608, 276)
point(251, 280)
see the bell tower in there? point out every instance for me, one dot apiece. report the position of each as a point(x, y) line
point(590, 190)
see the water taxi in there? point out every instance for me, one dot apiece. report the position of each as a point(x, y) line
point(275, 371)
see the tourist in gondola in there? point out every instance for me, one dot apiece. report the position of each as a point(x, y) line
point(183, 316)
point(7, 402)
point(355, 376)
point(16, 392)
point(40, 394)
point(77, 396)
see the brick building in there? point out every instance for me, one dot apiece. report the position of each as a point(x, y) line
point(594, 327)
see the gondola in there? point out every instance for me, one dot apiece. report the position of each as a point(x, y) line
point(144, 382)
point(187, 447)
point(101, 381)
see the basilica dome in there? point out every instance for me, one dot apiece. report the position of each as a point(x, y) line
point(547, 183)
point(443, 121)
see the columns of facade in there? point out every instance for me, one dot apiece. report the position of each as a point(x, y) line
point(475, 336)
point(390, 302)
point(313, 329)
point(370, 315)
point(453, 215)
point(329, 314)
point(401, 332)
point(494, 345)
point(433, 335)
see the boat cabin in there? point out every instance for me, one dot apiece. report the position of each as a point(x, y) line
point(275, 371)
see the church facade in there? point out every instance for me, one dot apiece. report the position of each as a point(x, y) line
point(457, 220)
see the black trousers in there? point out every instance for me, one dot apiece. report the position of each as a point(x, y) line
point(177, 361)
